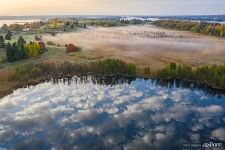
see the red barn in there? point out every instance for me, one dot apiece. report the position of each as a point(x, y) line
point(71, 48)
point(42, 46)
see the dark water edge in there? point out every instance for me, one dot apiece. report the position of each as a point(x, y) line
point(120, 79)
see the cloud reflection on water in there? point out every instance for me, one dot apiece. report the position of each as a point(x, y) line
point(139, 115)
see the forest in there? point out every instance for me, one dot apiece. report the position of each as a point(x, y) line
point(61, 70)
point(213, 76)
point(214, 29)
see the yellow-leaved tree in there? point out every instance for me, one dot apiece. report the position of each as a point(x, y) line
point(54, 23)
point(33, 49)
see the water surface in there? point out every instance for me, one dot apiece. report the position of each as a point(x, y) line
point(127, 114)
point(8, 22)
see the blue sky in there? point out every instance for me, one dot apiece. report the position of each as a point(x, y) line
point(111, 7)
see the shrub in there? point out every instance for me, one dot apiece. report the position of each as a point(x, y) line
point(35, 71)
point(147, 70)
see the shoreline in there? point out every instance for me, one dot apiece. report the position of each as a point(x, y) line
point(26, 75)
point(201, 86)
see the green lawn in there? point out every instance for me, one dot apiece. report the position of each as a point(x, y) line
point(52, 53)
point(27, 38)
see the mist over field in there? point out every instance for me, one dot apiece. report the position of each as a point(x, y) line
point(146, 44)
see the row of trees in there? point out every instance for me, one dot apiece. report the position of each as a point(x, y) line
point(20, 50)
point(132, 21)
point(108, 67)
point(214, 29)
point(20, 27)
point(213, 76)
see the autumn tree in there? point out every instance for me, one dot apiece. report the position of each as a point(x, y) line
point(222, 33)
point(54, 23)
point(214, 29)
point(32, 49)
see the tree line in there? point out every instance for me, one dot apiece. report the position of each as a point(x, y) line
point(213, 76)
point(20, 27)
point(20, 49)
point(108, 67)
point(215, 29)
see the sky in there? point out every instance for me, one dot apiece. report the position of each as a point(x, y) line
point(111, 7)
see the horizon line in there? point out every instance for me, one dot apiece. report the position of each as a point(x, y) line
point(110, 15)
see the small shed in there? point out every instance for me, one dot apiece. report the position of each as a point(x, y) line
point(71, 48)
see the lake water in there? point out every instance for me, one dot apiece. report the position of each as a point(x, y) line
point(110, 114)
point(8, 22)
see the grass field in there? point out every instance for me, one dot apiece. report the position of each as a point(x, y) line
point(146, 45)
point(7, 70)
point(53, 53)
point(143, 45)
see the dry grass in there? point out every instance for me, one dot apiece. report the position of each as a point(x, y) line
point(6, 84)
point(146, 45)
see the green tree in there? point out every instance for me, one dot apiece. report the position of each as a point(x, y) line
point(77, 24)
point(9, 52)
point(8, 35)
point(173, 66)
point(22, 51)
point(17, 51)
point(21, 41)
point(2, 42)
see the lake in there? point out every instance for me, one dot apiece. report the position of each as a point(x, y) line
point(8, 22)
point(111, 113)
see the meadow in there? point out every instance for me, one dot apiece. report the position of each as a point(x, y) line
point(146, 45)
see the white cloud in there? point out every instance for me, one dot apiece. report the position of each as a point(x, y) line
point(211, 110)
point(219, 134)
